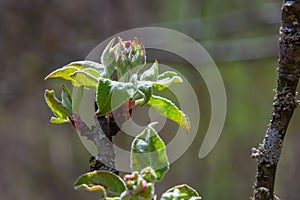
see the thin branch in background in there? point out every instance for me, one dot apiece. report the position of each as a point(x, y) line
point(284, 103)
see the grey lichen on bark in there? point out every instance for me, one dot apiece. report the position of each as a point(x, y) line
point(101, 135)
point(106, 153)
point(268, 153)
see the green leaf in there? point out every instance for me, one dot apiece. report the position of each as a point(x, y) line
point(63, 72)
point(134, 79)
point(148, 150)
point(66, 97)
point(112, 94)
point(92, 72)
point(166, 79)
point(87, 64)
point(181, 192)
point(166, 74)
point(80, 73)
point(151, 74)
point(131, 72)
point(111, 72)
point(55, 120)
point(56, 106)
point(103, 96)
point(96, 188)
point(104, 182)
point(78, 97)
point(82, 78)
point(145, 88)
point(168, 109)
point(108, 56)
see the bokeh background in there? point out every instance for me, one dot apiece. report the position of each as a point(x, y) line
point(39, 160)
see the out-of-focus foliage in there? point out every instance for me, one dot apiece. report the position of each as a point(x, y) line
point(41, 161)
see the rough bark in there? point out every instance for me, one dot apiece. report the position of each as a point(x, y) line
point(284, 103)
point(101, 135)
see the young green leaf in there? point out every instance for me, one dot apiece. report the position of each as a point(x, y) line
point(148, 150)
point(63, 72)
point(168, 109)
point(55, 120)
point(166, 75)
point(82, 78)
point(151, 74)
point(95, 188)
point(92, 72)
point(134, 79)
point(88, 71)
point(112, 94)
point(108, 56)
point(110, 72)
point(181, 192)
point(145, 88)
point(166, 79)
point(107, 183)
point(78, 97)
point(103, 96)
point(66, 97)
point(56, 106)
point(87, 64)
point(130, 73)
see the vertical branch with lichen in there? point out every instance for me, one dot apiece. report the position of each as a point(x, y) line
point(284, 103)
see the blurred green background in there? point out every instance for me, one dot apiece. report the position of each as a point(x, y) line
point(39, 160)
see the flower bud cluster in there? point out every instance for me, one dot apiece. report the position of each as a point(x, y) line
point(123, 57)
point(140, 186)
